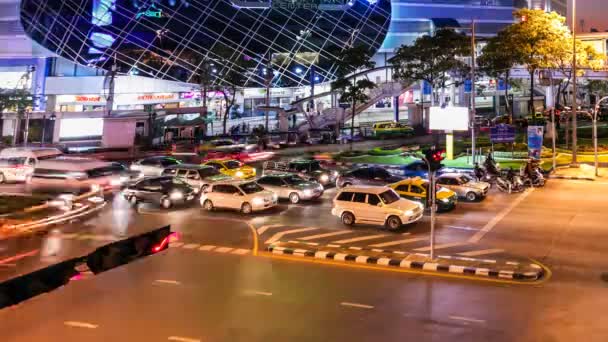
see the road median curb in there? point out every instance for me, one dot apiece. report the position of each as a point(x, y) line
point(572, 178)
point(454, 266)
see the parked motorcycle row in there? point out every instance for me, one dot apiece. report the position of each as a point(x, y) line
point(510, 181)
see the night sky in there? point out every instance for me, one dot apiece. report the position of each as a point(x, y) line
point(594, 12)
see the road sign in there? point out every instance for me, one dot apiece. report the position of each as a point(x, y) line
point(502, 133)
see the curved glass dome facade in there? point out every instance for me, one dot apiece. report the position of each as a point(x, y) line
point(177, 39)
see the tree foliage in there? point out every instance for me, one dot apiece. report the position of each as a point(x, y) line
point(434, 59)
point(15, 100)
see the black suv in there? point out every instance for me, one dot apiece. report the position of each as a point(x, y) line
point(166, 191)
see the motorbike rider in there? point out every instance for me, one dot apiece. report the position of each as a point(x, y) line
point(478, 172)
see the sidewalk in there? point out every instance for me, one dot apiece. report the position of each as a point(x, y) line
point(584, 172)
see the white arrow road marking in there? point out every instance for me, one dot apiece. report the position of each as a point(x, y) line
point(320, 236)
point(482, 252)
point(276, 237)
point(398, 242)
point(494, 221)
point(441, 246)
point(361, 238)
point(77, 324)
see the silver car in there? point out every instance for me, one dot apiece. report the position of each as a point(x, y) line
point(292, 187)
point(464, 186)
point(197, 176)
point(153, 166)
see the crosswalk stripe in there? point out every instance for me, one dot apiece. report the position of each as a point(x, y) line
point(360, 238)
point(276, 237)
point(191, 246)
point(398, 242)
point(441, 246)
point(175, 244)
point(223, 249)
point(207, 248)
point(320, 236)
point(240, 251)
point(482, 252)
point(263, 229)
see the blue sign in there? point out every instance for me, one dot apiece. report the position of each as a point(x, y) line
point(467, 86)
point(427, 90)
point(502, 134)
point(535, 141)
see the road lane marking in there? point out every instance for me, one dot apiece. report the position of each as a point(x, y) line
point(398, 242)
point(165, 281)
point(183, 339)
point(276, 237)
point(361, 238)
point(320, 236)
point(463, 228)
point(260, 293)
point(191, 246)
point(467, 319)
point(441, 246)
point(19, 256)
point(223, 249)
point(255, 237)
point(77, 324)
point(240, 251)
point(482, 252)
point(263, 229)
point(494, 221)
point(175, 244)
point(357, 305)
point(207, 248)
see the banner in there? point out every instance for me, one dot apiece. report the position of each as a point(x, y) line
point(535, 141)
point(502, 134)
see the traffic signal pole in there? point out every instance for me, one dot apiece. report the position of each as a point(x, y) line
point(433, 211)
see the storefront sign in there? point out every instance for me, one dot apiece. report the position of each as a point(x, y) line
point(155, 97)
point(85, 98)
point(80, 99)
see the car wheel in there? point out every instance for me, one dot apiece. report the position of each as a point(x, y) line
point(2, 179)
point(166, 203)
point(294, 198)
point(393, 223)
point(204, 188)
point(471, 196)
point(246, 208)
point(208, 205)
point(348, 218)
point(133, 200)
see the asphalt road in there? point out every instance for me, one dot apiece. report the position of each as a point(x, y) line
point(209, 286)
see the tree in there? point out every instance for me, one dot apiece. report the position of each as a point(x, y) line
point(352, 60)
point(18, 101)
point(433, 59)
point(596, 88)
point(496, 61)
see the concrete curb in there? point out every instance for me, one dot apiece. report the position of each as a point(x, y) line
point(418, 265)
point(572, 178)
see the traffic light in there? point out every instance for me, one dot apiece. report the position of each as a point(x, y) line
point(434, 157)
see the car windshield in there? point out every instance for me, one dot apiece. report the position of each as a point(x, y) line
point(426, 186)
point(389, 196)
point(464, 179)
point(294, 180)
point(232, 164)
point(250, 188)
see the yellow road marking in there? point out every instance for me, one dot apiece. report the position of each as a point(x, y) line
point(254, 233)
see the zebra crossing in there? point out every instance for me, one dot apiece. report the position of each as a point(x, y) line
point(370, 239)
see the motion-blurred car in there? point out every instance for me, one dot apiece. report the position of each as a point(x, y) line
point(245, 196)
point(232, 168)
point(374, 176)
point(292, 187)
point(376, 205)
point(306, 168)
point(197, 176)
point(18, 163)
point(417, 168)
point(153, 166)
point(416, 189)
point(464, 186)
point(164, 191)
point(245, 155)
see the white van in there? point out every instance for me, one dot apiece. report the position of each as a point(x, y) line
point(75, 175)
point(18, 163)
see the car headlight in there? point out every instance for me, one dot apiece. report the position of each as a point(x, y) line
point(115, 182)
point(275, 197)
point(95, 188)
point(176, 195)
point(445, 200)
point(336, 174)
point(133, 167)
point(257, 201)
point(307, 192)
point(196, 190)
point(409, 213)
point(239, 174)
point(324, 178)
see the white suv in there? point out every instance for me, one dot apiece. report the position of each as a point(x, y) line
point(244, 196)
point(377, 205)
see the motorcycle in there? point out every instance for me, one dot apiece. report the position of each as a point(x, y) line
point(504, 185)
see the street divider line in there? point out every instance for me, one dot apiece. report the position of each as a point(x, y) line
point(466, 319)
point(357, 305)
point(320, 236)
point(77, 324)
point(276, 237)
point(441, 246)
point(482, 252)
point(398, 242)
point(361, 238)
point(494, 221)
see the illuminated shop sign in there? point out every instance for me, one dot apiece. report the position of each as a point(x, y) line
point(81, 99)
point(155, 97)
point(151, 12)
point(307, 4)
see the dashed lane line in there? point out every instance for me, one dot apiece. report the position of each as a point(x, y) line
point(240, 251)
point(467, 319)
point(494, 221)
point(398, 242)
point(259, 293)
point(182, 339)
point(276, 237)
point(223, 249)
point(357, 305)
point(191, 246)
point(166, 281)
point(77, 324)
point(441, 246)
point(482, 252)
point(361, 238)
point(320, 236)
point(207, 248)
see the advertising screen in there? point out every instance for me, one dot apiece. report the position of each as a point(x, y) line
point(449, 118)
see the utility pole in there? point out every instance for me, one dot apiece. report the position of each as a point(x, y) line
point(574, 90)
point(269, 75)
point(473, 90)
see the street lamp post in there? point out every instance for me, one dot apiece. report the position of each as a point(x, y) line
point(43, 129)
point(433, 206)
point(595, 112)
point(574, 99)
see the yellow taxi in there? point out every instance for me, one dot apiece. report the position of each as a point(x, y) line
point(391, 128)
point(416, 189)
point(232, 168)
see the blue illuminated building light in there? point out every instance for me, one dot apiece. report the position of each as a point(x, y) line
point(298, 70)
point(102, 12)
point(102, 40)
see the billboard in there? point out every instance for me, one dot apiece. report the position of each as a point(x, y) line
point(502, 133)
point(449, 118)
point(535, 141)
